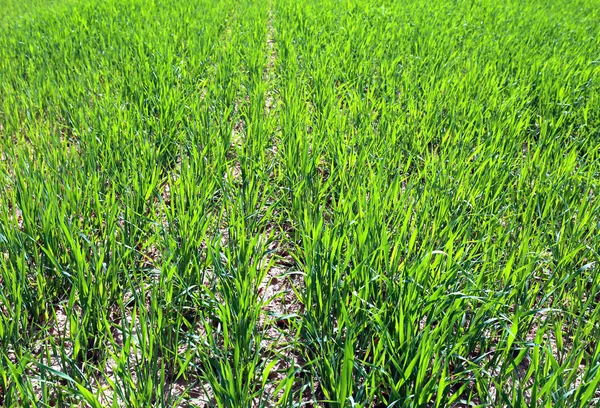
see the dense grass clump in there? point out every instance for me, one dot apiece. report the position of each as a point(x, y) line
point(299, 203)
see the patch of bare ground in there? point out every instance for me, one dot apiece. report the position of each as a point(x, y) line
point(280, 303)
point(518, 365)
point(280, 308)
point(18, 217)
point(52, 362)
point(233, 173)
point(121, 360)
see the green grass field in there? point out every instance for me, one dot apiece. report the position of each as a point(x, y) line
point(299, 203)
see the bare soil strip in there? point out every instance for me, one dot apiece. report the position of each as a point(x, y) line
point(277, 289)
